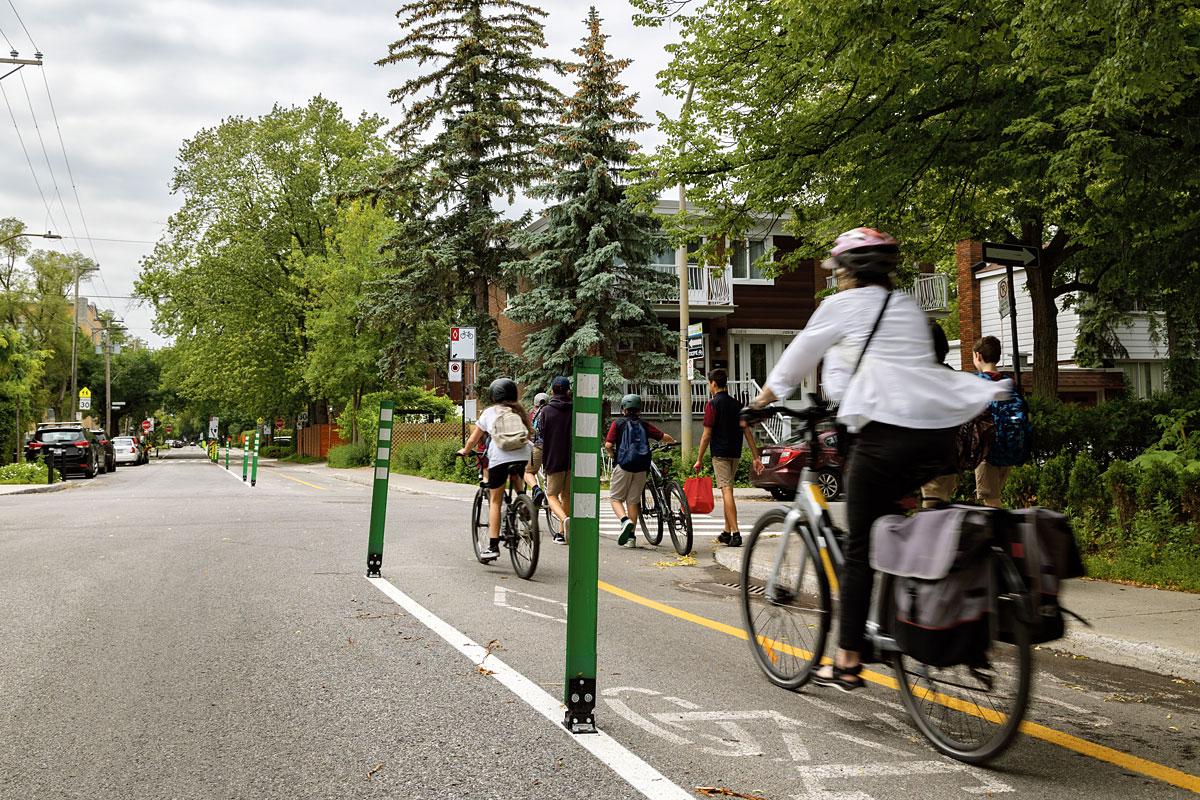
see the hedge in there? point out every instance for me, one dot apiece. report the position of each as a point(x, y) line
point(345, 456)
point(23, 472)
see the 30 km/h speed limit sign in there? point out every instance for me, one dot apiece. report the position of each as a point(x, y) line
point(462, 344)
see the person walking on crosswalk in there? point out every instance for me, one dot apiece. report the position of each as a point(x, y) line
point(725, 429)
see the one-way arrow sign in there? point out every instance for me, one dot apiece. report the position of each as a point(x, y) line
point(1013, 255)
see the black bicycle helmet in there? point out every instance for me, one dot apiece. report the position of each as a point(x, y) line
point(503, 390)
point(631, 402)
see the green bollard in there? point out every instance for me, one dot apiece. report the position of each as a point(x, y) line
point(254, 463)
point(245, 455)
point(383, 460)
point(583, 558)
point(228, 444)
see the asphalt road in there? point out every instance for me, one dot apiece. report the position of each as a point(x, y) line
point(172, 633)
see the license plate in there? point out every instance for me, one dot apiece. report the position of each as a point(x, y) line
point(766, 459)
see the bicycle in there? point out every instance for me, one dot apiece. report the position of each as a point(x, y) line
point(970, 713)
point(518, 525)
point(664, 500)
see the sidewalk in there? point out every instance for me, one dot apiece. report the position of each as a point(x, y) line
point(31, 488)
point(1149, 629)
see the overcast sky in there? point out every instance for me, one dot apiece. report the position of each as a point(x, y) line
point(131, 79)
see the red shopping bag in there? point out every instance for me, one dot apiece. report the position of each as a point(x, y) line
point(699, 493)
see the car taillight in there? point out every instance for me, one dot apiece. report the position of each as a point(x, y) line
point(35, 445)
point(81, 443)
point(133, 449)
point(788, 454)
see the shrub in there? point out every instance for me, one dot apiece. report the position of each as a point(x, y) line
point(1085, 492)
point(1054, 478)
point(414, 398)
point(1121, 481)
point(1021, 488)
point(25, 472)
point(344, 456)
point(276, 451)
point(437, 460)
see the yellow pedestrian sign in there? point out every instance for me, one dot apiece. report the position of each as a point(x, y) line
point(85, 392)
point(85, 399)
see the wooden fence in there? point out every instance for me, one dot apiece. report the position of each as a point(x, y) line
point(315, 440)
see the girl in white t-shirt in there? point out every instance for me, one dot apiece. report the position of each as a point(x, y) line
point(502, 464)
point(904, 408)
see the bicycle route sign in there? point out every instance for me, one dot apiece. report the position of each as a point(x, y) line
point(462, 344)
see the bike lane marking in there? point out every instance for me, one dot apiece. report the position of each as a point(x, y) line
point(502, 593)
point(1118, 758)
point(622, 761)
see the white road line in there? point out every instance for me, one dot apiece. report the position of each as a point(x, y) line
point(630, 767)
point(238, 478)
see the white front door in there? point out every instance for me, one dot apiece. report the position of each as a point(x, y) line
point(755, 355)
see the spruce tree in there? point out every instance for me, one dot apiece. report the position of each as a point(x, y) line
point(587, 285)
point(472, 120)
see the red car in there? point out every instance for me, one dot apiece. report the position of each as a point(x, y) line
point(783, 463)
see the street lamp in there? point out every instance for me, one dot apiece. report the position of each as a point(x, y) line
point(46, 235)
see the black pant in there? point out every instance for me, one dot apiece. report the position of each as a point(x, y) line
point(887, 463)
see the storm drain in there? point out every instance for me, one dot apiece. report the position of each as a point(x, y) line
point(756, 590)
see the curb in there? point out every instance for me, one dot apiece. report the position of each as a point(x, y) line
point(38, 489)
point(1079, 642)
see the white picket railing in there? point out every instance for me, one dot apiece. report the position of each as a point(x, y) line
point(707, 286)
point(930, 290)
point(660, 399)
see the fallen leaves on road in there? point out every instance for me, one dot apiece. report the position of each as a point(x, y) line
point(482, 670)
point(721, 791)
point(371, 774)
point(682, 561)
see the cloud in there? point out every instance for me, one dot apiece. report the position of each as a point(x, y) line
point(132, 79)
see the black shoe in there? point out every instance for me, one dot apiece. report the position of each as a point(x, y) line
point(735, 539)
point(845, 679)
point(724, 537)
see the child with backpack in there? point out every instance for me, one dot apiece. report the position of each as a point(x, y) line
point(1012, 433)
point(627, 443)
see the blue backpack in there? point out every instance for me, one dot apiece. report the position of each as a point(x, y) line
point(633, 448)
point(1013, 431)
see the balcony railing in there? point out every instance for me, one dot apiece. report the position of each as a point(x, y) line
point(707, 286)
point(930, 290)
point(660, 400)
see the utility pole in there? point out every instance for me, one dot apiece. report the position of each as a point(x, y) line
point(685, 362)
point(36, 61)
point(75, 346)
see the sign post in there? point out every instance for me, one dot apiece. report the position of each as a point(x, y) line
point(583, 559)
point(254, 463)
point(462, 348)
point(1013, 255)
point(379, 488)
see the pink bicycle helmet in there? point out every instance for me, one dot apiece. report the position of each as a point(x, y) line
point(864, 250)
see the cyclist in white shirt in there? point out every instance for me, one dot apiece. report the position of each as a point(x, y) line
point(502, 465)
point(903, 407)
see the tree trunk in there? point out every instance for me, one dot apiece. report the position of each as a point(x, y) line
point(1039, 283)
point(355, 435)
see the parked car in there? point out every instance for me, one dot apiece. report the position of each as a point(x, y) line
point(143, 446)
point(282, 441)
point(74, 448)
point(110, 461)
point(783, 463)
point(177, 443)
point(126, 450)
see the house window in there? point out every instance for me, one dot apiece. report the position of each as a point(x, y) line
point(745, 253)
point(1143, 378)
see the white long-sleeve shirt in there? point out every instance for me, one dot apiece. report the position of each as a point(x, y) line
point(899, 383)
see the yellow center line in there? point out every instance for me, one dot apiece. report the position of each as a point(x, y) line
point(306, 483)
point(1067, 741)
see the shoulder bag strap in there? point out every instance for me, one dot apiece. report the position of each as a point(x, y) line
point(871, 335)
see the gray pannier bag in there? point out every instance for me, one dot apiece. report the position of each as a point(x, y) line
point(943, 592)
point(1043, 549)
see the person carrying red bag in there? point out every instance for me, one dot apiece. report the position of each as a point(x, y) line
point(724, 429)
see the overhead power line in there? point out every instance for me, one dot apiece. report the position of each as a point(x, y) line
point(7, 41)
point(12, 115)
point(27, 34)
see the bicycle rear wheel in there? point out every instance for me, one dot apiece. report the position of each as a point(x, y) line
point(526, 538)
point(479, 524)
point(653, 530)
point(679, 517)
point(973, 714)
point(786, 605)
point(553, 523)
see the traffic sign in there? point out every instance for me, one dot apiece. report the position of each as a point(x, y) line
point(454, 372)
point(118, 404)
point(85, 403)
point(462, 344)
point(167, 428)
point(279, 423)
point(1012, 255)
point(147, 425)
point(85, 392)
point(695, 340)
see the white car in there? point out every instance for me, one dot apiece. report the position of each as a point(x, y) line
point(126, 450)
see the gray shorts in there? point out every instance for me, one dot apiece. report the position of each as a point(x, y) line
point(626, 487)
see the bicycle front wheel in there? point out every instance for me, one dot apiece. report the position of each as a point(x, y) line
point(480, 536)
point(786, 605)
point(652, 531)
point(973, 713)
point(526, 541)
point(679, 517)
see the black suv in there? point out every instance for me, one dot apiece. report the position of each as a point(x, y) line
point(74, 448)
point(106, 445)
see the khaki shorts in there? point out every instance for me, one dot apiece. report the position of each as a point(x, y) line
point(726, 471)
point(626, 487)
point(989, 481)
point(940, 488)
point(557, 483)
point(535, 461)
